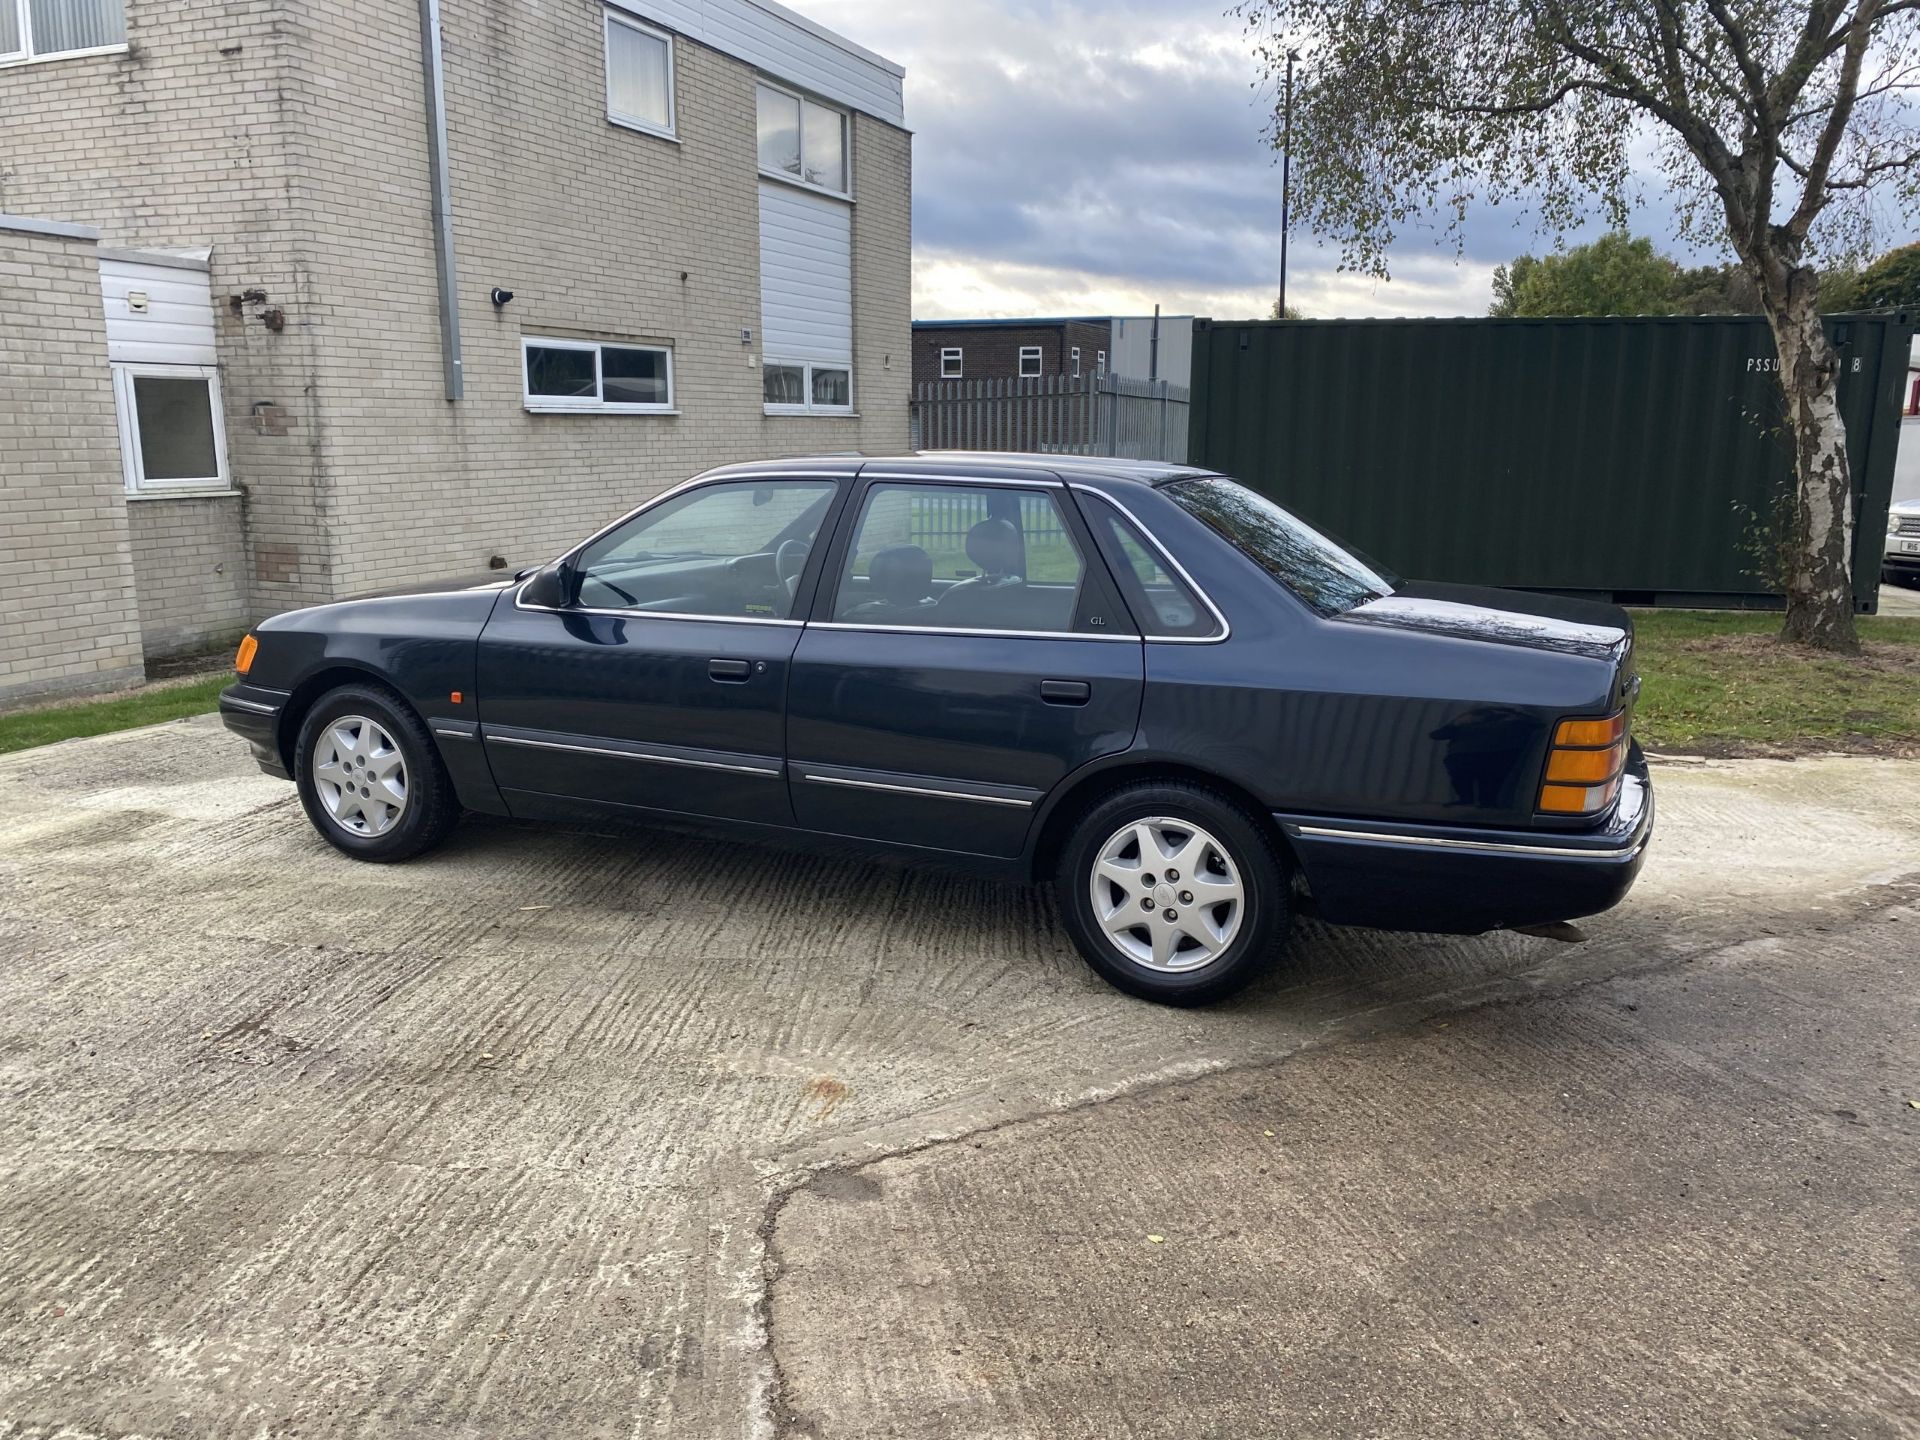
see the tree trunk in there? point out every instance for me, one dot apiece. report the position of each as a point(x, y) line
point(1818, 556)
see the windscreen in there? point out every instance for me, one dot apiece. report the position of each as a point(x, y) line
point(1324, 574)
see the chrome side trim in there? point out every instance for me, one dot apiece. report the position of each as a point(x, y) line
point(1226, 630)
point(1389, 837)
point(952, 630)
point(633, 755)
point(448, 732)
point(254, 705)
point(914, 790)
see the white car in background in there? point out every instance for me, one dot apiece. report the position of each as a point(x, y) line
point(1901, 564)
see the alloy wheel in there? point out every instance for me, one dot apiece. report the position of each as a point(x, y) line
point(360, 775)
point(1167, 894)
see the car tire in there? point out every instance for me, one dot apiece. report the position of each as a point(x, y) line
point(370, 778)
point(1195, 943)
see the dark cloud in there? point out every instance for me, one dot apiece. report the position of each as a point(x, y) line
point(1114, 147)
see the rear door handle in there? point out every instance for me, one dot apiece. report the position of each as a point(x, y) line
point(1065, 692)
point(729, 671)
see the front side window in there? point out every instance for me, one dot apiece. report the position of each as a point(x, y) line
point(1029, 361)
point(1325, 575)
point(639, 75)
point(953, 557)
point(570, 376)
point(1165, 605)
point(171, 434)
point(733, 551)
point(1074, 362)
point(31, 29)
point(951, 364)
point(801, 139)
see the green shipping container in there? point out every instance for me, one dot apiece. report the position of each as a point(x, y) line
point(1636, 459)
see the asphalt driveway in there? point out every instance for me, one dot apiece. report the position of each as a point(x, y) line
point(591, 1135)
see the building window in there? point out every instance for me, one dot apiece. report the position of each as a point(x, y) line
point(802, 140)
point(1100, 364)
point(639, 76)
point(37, 29)
point(1029, 361)
point(1073, 360)
point(571, 376)
point(950, 364)
point(796, 388)
point(171, 433)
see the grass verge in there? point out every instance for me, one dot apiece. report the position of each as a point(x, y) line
point(147, 706)
point(1715, 683)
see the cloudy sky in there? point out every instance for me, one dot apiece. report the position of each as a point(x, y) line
point(1097, 156)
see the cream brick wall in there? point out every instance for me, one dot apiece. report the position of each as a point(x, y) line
point(68, 621)
point(290, 136)
point(601, 232)
point(189, 569)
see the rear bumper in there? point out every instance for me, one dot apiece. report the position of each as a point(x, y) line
point(1460, 880)
point(253, 713)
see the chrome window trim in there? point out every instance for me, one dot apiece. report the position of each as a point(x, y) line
point(955, 630)
point(964, 481)
point(914, 790)
point(1390, 837)
point(1146, 533)
point(520, 604)
point(773, 773)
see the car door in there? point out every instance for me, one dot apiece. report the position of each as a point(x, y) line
point(659, 679)
point(966, 653)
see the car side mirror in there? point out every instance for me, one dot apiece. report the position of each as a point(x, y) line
point(551, 587)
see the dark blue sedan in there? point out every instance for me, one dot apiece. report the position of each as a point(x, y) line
point(1191, 710)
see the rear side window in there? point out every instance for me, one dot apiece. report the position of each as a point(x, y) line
point(956, 557)
point(1321, 572)
point(1164, 604)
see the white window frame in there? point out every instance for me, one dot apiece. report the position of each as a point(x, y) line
point(645, 126)
point(1035, 354)
point(958, 356)
point(1074, 356)
point(787, 177)
point(1099, 364)
point(807, 367)
point(127, 412)
point(26, 55)
point(565, 405)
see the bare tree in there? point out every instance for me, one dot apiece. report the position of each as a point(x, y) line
point(1786, 128)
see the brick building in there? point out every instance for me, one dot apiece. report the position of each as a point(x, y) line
point(676, 233)
point(1009, 349)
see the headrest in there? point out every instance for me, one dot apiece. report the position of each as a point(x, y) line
point(994, 545)
point(902, 574)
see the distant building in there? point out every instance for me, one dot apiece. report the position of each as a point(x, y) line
point(1009, 349)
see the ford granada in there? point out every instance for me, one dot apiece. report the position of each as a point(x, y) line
point(1185, 706)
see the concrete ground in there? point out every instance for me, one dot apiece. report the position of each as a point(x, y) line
point(562, 1134)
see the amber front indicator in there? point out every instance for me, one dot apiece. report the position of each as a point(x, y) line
point(243, 661)
point(1584, 766)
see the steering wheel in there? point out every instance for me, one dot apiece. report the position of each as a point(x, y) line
point(788, 561)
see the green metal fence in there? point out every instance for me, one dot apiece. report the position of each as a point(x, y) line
point(1638, 459)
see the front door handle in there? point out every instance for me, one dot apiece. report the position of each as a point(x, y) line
point(731, 672)
point(1065, 692)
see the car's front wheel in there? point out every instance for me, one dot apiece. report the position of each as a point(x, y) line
point(369, 777)
point(1173, 893)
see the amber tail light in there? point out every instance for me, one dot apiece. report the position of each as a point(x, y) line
point(1584, 765)
point(243, 660)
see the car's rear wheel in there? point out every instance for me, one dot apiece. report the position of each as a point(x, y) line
point(369, 777)
point(1173, 892)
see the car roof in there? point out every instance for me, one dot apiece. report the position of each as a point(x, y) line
point(970, 464)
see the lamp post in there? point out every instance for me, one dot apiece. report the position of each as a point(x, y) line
point(1286, 176)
